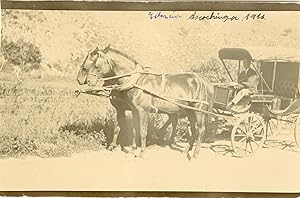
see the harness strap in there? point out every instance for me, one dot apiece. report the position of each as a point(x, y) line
point(182, 105)
point(128, 84)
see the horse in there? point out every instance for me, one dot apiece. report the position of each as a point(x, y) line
point(119, 101)
point(179, 92)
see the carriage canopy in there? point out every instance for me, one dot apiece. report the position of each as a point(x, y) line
point(261, 54)
point(279, 68)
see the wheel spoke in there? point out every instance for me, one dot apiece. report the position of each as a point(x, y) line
point(256, 143)
point(245, 126)
point(239, 135)
point(251, 147)
point(246, 147)
point(276, 125)
point(241, 145)
point(249, 124)
point(245, 132)
point(258, 130)
point(254, 123)
point(242, 140)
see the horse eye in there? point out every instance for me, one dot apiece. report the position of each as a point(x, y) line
point(85, 69)
point(93, 53)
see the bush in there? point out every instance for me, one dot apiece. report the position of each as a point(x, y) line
point(22, 53)
point(213, 70)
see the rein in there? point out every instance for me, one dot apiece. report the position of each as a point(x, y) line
point(128, 74)
point(131, 83)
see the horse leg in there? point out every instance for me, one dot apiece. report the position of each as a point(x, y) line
point(119, 127)
point(201, 130)
point(143, 117)
point(193, 121)
point(135, 131)
point(208, 135)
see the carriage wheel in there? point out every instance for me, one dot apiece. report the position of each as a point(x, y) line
point(248, 134)
point(272, 127)
point(297, 131)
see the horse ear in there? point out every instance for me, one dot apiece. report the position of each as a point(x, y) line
point(95, 51)
point(105, 50)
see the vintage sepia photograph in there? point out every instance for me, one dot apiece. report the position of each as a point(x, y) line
point(185, 101)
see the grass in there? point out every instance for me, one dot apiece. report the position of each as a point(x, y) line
point(49, 122)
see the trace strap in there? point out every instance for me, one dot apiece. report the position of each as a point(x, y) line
point(172, 100)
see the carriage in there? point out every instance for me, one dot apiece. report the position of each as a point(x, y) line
point(277, 95)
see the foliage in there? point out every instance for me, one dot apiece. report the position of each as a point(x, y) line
point(50, 122)
point(211, 70)
point(22, 53)
point(166, 45)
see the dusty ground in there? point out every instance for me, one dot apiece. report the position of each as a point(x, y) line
point(271, 169)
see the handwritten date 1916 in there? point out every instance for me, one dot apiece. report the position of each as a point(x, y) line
point(254, 16)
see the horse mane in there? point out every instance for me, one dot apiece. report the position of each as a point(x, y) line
point(124, 55)
point(127, 57)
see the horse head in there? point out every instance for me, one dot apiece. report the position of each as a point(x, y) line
point(96, 65)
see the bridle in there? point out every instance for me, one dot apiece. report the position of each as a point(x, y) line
point(99, 78)
point(99, 70)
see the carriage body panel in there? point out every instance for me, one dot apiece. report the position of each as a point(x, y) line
point(282, 78)
point(223, 95)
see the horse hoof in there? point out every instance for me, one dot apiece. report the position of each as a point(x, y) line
point(189, 157)
point(184, 153)
point(171, 146)
point(195, 156)
point(111, 148)
point(124, 150)
point(187, 150)
point(133, 149)
point(141, 155)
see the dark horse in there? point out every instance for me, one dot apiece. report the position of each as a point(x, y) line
point(120, 102)
point(134, 81)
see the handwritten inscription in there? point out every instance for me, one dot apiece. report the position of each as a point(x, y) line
point(158, 15)
point(252, 16)
point(213, 16)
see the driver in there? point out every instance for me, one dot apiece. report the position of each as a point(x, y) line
point(247, 83)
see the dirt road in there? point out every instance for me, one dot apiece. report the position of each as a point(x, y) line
point(271, 169)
